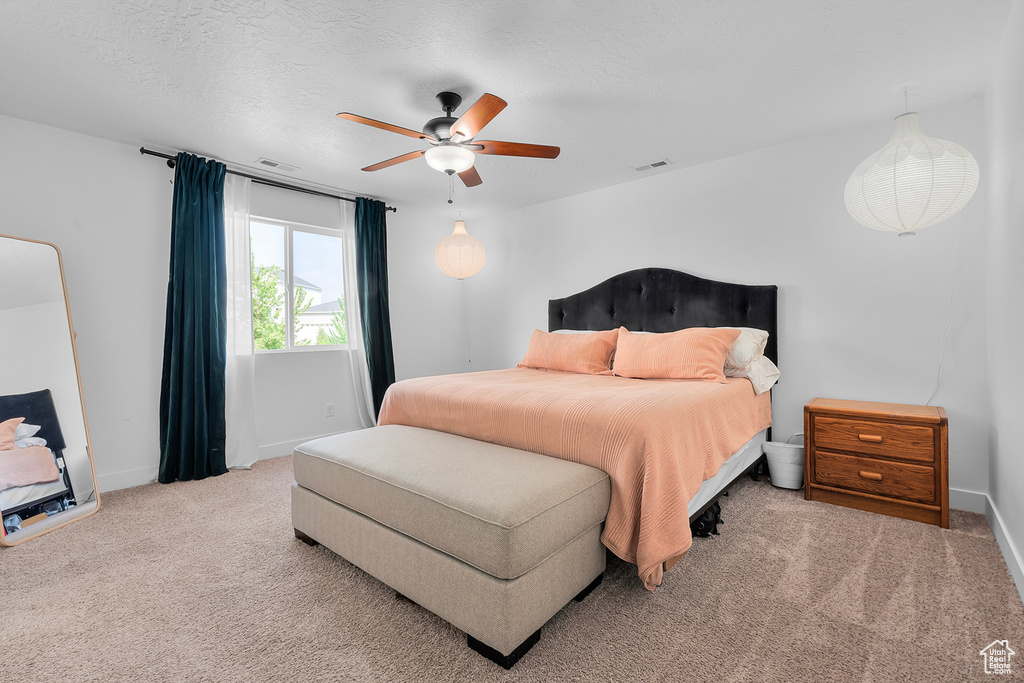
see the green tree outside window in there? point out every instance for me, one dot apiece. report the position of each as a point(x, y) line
point(268, 303)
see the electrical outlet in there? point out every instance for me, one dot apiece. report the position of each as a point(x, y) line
point(330, 410)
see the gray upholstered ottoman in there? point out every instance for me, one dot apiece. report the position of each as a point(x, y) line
point(492, 539)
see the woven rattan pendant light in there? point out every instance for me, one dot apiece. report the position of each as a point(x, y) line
point(913, 182)
point(460, 254)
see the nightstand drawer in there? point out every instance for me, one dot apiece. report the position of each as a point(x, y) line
point(898, 480)
point(911, 442)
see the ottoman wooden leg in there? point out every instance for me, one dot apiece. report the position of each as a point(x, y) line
point(308, 540)
point(504, 661)
point(586, 591)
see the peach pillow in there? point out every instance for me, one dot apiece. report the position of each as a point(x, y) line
point(7, 431)
point(584, 353)
point(695, 353)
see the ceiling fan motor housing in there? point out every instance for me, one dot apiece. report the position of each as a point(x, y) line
point(440, 128)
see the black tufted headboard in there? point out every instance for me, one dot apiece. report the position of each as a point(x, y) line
point(663, 300)
point(37, 408)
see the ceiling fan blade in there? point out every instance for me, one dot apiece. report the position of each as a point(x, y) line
point(384, 126)
point(514, 149)
point(477, 116)
point(395, 160)
point(470, 177)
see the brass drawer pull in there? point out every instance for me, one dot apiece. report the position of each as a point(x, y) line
point(871, 438)
point(871, 475)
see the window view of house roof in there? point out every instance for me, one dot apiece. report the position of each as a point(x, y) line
point(325, 307)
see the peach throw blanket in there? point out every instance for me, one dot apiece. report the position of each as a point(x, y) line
point(657, 439)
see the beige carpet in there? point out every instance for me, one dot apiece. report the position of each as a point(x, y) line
point(204, 581)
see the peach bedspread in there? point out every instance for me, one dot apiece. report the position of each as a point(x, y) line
point(26, 466)
point(657, 439)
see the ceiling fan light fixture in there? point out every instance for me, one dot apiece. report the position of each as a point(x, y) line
point(449, 158)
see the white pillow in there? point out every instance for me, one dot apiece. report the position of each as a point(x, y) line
point(747, 348)
point(763, 374)
point(26, 430)
point(30, 441)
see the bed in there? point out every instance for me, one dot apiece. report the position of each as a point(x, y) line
point(663, 300)
point(20, 503)
point(665, 474)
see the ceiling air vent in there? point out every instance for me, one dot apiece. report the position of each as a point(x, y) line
point(276, 165)
point(654, 164)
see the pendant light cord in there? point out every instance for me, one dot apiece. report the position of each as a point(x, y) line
point(465, 315)
point(952, 290)
point(949, 320)
point(465, 319)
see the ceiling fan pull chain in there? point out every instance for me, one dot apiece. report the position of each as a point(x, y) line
point(451, 186)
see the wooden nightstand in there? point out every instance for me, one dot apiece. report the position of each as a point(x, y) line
point(881, 457)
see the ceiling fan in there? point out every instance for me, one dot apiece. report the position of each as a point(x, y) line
point(453, 149)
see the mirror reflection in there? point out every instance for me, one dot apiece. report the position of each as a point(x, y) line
point(47, 477)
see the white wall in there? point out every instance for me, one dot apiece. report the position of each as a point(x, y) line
point(428, 308)
point(1005, 285)
point(108, 210)
point(292, 392)
point(861, 312)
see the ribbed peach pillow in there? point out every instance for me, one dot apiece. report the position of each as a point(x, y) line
point(8, 431)
point(584, 353)
point(696, 353)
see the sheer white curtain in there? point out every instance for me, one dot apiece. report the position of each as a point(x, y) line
point(353, 320)
point(241, 447)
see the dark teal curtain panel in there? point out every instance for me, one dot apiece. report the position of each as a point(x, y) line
point(372, 280)
point(192, 388)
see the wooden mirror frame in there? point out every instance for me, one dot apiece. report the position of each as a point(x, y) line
point(82, 510)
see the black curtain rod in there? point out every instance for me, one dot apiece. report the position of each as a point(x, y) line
point(262, 181)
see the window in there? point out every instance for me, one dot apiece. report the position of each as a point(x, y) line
point(298, 299)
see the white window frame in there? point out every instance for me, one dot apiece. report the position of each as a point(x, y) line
point(289, 228)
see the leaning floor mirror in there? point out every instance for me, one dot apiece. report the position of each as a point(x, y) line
point(47, 477)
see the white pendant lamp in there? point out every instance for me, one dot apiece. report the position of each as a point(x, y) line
point(911, 183)
point(460, 254)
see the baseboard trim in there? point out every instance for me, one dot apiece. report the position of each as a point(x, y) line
point(975, 501)
point(1011, 555)
point(126, 479)
point(971, 501)
point(276, 450)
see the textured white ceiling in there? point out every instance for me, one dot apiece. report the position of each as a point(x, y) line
point(615, 84)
